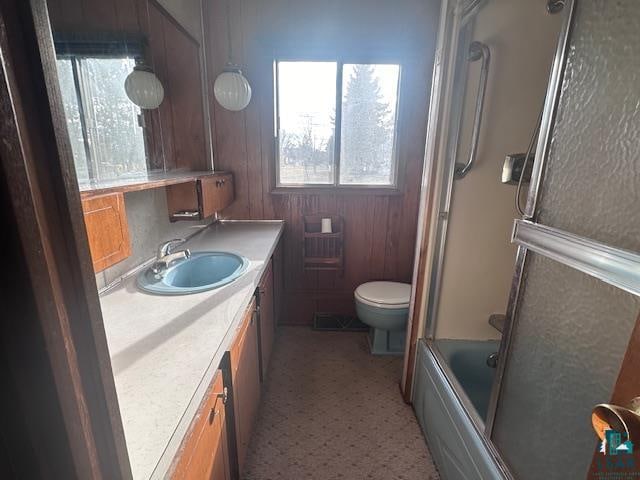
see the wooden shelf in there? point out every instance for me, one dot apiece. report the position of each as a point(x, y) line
point(323, 251)
point(142, 182)
point(322, 260)
point(322, 235)
point(201, 198)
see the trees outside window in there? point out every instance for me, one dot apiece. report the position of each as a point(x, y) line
point(309, 131)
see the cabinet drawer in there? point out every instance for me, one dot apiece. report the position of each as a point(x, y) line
point(200, 198)
point(204, 453)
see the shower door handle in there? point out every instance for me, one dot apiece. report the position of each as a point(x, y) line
point(477, 51)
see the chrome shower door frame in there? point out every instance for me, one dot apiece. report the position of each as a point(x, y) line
point(445, 170)
point(445, 176)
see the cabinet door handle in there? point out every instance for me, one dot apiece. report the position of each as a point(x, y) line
point(214, 411)
point(223, 395)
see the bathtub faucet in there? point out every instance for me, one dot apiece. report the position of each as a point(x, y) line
point(492, 360)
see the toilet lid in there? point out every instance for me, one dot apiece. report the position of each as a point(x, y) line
point(384, 294)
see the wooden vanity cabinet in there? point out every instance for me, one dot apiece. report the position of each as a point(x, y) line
point(204, 454)
point(245, 375)
point(266, 303)
point(216, 193)
point(200, 198)
point(105, 219)
point(278, 281)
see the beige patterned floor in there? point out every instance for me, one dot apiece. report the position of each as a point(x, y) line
point(330, 410)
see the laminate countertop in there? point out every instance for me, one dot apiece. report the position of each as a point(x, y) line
point(165, 349)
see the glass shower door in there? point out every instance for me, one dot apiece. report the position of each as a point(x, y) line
point(576, 294)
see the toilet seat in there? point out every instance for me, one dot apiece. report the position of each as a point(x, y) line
point(388, 295)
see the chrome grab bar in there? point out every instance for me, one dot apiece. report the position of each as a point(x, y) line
point(477, 51)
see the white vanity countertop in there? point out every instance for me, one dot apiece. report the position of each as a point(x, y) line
point(165, 349)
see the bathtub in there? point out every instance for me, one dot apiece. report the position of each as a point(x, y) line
point(467, 359)
point(453, 422)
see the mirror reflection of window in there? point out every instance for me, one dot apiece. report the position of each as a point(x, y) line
point(103, 124)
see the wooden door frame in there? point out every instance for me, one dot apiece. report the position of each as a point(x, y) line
point(37, 167)
point(436, 144)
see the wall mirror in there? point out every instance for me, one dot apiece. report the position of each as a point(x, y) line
point(98, 44)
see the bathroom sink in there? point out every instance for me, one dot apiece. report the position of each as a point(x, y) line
point(201, 272)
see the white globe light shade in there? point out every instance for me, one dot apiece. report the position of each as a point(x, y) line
point(143, 88)
point(232, 90)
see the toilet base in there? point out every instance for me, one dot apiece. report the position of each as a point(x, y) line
point(386, 342)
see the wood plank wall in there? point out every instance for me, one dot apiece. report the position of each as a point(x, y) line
point(380, 230)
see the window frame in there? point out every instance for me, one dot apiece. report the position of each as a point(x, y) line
point(394, 188)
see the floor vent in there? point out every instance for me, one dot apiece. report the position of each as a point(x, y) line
point(338, 322)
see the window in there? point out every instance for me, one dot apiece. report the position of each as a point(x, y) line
point(336, 123)
point(103, 124)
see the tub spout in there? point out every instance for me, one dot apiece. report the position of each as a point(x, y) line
point(492, 360)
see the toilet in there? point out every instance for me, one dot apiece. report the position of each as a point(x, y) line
point(384, 306)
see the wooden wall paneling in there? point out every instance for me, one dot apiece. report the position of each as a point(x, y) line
point(417, 104)
point(161, 148)
point(358, 238)
point(341, 302)
point(184, 89)
point(253, 129)
point(267, 125)
point(211, 48)
point(379, 240)
point(298, 308)
point(230, 128)
point(403, 211)
point(66, 14)
point(127, 14)
point(94, 15)
point(99, 15)
point(380, 230)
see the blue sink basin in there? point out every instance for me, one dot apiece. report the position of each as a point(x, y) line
point(203, 271)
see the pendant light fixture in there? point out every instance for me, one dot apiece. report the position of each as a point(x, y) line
point(143, 87)
point(231, 88)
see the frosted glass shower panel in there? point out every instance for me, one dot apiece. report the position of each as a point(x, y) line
point(591, 185)
point(570, 335)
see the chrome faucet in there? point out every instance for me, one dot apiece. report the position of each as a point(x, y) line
point(166, 255)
